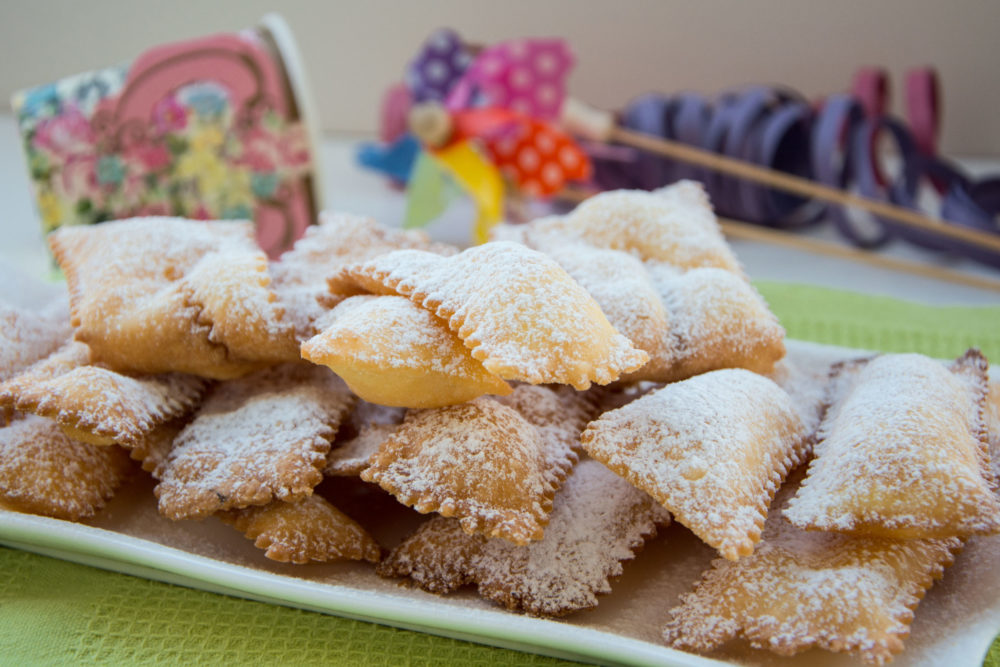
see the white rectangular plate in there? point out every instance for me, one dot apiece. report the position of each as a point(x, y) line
point(954, 625)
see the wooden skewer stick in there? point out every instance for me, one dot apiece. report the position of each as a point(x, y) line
point(801, 186)
point(600, 126)
point(748, 232)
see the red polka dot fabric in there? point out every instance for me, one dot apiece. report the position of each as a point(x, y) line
point(538, 158)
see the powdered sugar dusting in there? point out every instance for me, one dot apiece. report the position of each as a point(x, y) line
point(674, 225)
point(482, 462)
point(801, 589)
point(992, 418)
point(165, 294)
point(718, 320)
point(393, 332)
point(351, 457)
point(27, 335)
point(391, 351)
point(712, 449)
point(339, 239)
point(598, 521)
point(360, 437)
point(623, 289)
point(98, 402)
point(684, 299)
point(901, 454)
point(254, 439)
point(43, 471)
point(310, 529)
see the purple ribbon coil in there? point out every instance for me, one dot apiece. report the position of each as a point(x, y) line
point(831, 144)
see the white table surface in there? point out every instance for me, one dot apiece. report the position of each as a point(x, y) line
point(346, 187)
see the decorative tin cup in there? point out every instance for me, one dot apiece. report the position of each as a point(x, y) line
point(212, 128)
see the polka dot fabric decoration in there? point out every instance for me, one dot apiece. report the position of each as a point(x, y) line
point(441, 62)
point(538, 158)
point(525, 75)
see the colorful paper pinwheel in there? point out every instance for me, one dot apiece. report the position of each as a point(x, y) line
point(481, 121)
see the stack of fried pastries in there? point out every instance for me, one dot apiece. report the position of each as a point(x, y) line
point(552, 398)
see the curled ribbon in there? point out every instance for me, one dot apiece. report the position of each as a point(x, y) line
point(832, 142)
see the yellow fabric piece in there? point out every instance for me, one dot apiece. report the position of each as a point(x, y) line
point(480, 180)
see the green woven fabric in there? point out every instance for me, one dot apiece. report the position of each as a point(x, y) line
point(59, 613)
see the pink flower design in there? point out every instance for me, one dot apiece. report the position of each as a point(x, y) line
point(169, 115)
point(148, 156)
point(267, 150)
point(78, 176)
point(64, 135)
point(158, 208)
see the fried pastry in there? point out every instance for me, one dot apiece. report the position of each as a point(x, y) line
point(803, 589)
point(392, 352)
point(623, 289)
point(69, 356)
point(354, 455)
point(43, 471)
point(153, 448)
point(805, 374)
point(518, 311)
point(310, 529)
point(712, 449)
point(27, 335)
point(97, 405)
point(902, 452)
point(559, 412)
point(299, 277)
point(674, 225)
point(598, 522)
point(156, 295)
point(360, 437)
point(482, 462)
point(718, 320)
point(255, 439)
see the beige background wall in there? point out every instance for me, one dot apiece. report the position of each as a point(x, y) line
point(624, 47)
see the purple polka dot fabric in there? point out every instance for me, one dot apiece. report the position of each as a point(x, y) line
point(440, 63)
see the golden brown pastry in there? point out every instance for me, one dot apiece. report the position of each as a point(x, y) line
point(902, 452)
point(360, 437)
point(43, 471)
point(97, 405)
point(624, 290)
point(483, 462)
point(392, 352)
point(255, 439)
point(992, 418)
point(307, 530)
point(718, 320)
point(300, 275)
point(155, 295)
point(27, 335)
point(674, 225)
point(598, 522)
point(812, 589)
point(712, 450)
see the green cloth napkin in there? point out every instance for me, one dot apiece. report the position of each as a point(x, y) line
point(59, 613)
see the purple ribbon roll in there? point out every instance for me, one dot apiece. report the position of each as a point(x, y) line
point(651, 114)
point(690, 124)
point(786, 146)
point(831, 156)
point(775, 128)
point(974, 205)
